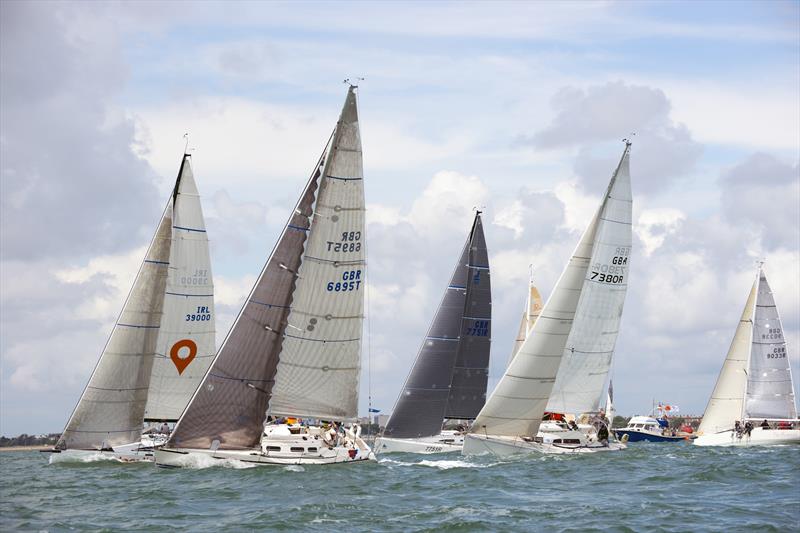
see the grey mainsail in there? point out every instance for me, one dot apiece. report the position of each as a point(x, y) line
point(450, 373)
point(229, 408)
point(769, 391)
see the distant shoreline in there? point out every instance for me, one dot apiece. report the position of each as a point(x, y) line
point(24, 448)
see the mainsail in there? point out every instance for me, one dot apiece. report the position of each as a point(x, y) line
point(302, 320)
point(533, 308)
point(185, 346)
point(450, 373)
point(727, 400)
point(582, 378)
point(518, 402)
point(769, 392)
point(133, 379)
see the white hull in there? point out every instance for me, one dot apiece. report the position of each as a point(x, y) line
point(758, 437)
point(127, 453)
point(280, 445)
point(447, 441)
point(500, 446)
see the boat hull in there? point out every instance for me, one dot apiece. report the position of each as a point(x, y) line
point(128, 453)
point(443, 443)
point(641, 436)
point(509, 446)
point(183, 458)
point(758, 437)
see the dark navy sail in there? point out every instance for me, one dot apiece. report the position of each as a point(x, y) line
point(455, 351)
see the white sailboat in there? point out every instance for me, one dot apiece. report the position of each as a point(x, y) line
point(755, 383)
point(570, 344)
point(449, 377)
point(294, 350)
point(160, 347)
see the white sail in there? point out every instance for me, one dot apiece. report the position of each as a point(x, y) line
point(533, 307)
point(581, 382)
point(185, 346)
point(769, 392)
point(727, 400)
point(518, 402)
point(319, 364)
point(111, 408)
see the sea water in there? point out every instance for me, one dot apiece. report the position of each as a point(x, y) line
point(648, 487)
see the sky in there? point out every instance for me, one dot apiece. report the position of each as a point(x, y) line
point(517, 108)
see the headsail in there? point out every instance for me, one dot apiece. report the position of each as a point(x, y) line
point(111, 408)
point(231, 403)
point(580, 385)
point(769, 392)
point(458, 337)
point(727, 401)
point(518, 402)
point(185, 345)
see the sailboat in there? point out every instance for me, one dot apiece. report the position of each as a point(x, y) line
point(292, 357)
point(575, 332)
point(754, 386)
point(160, 346)
point(533, 308)
point(449, 377)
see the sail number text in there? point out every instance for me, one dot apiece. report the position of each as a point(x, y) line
point(779, 352)
point(351, 281)
point(480, 328)
point(200, 277)
point(202, 315)
point(615, 272)
point(350, 242)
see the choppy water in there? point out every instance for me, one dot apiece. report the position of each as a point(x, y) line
point(661, 487)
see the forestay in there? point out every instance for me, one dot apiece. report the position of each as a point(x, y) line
point(583, 375)
point(769, 378)
point(727, 400)
point(320, 362)
point(457, 341)
point(517, 404)
point(111, 408)
point(185, 345)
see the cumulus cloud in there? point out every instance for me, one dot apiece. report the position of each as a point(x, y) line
point(68, 172)
point(663, 150)
point(764, 194)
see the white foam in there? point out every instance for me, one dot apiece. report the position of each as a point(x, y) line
point(444, 464)
point(199, 461)
point(85, 457)
point(294, 468)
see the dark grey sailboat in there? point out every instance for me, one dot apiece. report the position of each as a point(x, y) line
point(449, 377)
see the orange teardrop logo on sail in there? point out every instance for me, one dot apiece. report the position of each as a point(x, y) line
point(182, 362)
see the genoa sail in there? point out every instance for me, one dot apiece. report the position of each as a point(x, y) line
point(229, 407)
point(449, 376)
point(727, 401)
point(111, 409)
point(769, 392)
point(582, 378)
point(185, 345)
point(517, 404)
